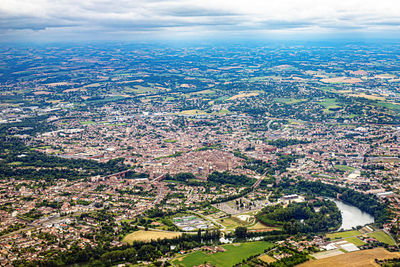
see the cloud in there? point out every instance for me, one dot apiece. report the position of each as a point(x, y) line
point(170, 17)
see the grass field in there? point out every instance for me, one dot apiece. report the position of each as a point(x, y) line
point(290, 101)
point(243, 95)
point(169, 141)
point(223, 112)
point(142, 235)
point(371, 97)
point(362, 258)
point(355, 241)
point(234, 253)
point(345, 234)
point(232, 222)
point(392, 106)
point(144, 90)
point(344, 168)
point(203, 92)
point(381, 236)
point(193, 112)
point(329, 103)
point(86, 122)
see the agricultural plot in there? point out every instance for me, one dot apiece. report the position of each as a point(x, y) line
point(147, 236)
point(290, 101)
point(355, 241)
point(362, 258)
point(345, 234)
point(244, 95)
point(193, 112)
point(329, 104)
point(234, 253)
point(370, 97)
point(267, 259)
point(381, 236)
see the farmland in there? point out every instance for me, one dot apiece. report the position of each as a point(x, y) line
point(142, 235)
point(382, 237)
point(362, 258)
point(234, 253)
point(346, 234)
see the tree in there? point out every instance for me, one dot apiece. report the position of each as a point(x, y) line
point(241, 232)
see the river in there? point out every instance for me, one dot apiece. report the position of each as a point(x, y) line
point(352, 216)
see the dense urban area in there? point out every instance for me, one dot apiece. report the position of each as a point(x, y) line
point(243, 154)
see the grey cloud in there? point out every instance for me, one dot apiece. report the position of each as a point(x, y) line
point(175, 15)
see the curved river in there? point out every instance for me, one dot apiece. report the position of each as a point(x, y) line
point(352, 216)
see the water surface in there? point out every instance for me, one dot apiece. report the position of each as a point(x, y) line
point(352, 216)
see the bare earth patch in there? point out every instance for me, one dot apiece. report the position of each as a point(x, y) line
point(267, 259)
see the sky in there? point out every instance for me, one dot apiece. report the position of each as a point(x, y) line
point(59, 20)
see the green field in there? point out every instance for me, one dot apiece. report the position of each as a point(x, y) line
point(232, 222)
point(344, 168)
point(144, 90)
point(234, 253)
point(223, 112)
point(355, 241)
point(87, 122)
point(381, 236)
point(328, 104)
point(392, 106)
point(339, 235)
point(203, 92)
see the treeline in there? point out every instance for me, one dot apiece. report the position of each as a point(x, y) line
point(366, 202)
point(138, 251)
point(222, 178)
point(30, 126)
point(302, 217)
point(264, 168)
point(293, 260)
point(182, 176)
point(21, 162)
point(280, 143)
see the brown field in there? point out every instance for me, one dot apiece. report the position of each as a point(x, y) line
point(42, 93)
point(371, 97)
point(260, 226)
point(92, 85)
point(146, 236)
point(384, 76)
point(267, 259)
point(60, 83)
point(362, 258)
point(341, 80)
point(243, 95)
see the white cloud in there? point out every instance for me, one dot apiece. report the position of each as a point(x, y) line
point(163, 17)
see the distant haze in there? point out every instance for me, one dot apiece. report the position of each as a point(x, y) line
point(50, 20)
